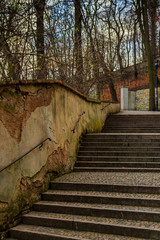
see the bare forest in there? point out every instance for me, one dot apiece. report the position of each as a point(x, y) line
point(79, 42)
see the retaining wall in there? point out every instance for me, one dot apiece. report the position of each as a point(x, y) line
point(30, 112)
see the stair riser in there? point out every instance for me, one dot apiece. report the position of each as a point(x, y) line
point(110, 213)
point(101, 153)
point(116, 170)
point(37, 236)
point(149, 122)
point(110, 127)
point(129, 124)
point(104, 188)
point(101, 228)
point(133, 120)
point(144, 149)
point(101, 200)
point(119, 144)
point(127, 165)
point(122, 137)
point(130, 131)
point(121, 141)
point(118, 159)
point(134, 117)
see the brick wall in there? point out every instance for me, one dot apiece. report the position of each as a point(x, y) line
point(129, 80)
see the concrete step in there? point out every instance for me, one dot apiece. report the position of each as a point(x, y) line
point(115, 169)
point(131, 130)
point(118, 128)
point(100, 164)
point(113, 148)
point(121, 144)
point(46, 233)
point(130, 121)
point(11, 239)
point(132, 136)
point(100, 210)
point(145, 200)
point(133, 119)
point(118, 153)
point(118, 159)
point(115, 139)
point(27, 232)
point(74, 186)
point(130, 127)
point(142, 229)
point(134, 116)
point(132, 124)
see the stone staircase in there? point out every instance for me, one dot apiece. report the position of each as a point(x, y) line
point(113, 193)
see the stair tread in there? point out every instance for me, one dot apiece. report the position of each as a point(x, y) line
point(119, 144)
point(96, 220)
point(105, 194)
point(119, 149)
point(113, 142)
point(128, 147)
point(130, 127)
point(124, 138)
point(70, 233)
point(81, 151)
point(122, 134)
point(118, 159)
point(93, 162)
point(119, 207)
point(118, 168)
point(127, 179)
point(146, 157)
point(158, 169)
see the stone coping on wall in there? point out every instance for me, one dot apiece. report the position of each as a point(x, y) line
point(53, 82)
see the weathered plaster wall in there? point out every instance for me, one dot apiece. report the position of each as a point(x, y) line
point(28, 114)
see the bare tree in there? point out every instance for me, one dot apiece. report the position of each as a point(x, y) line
point(78, 42)
point(9, 28)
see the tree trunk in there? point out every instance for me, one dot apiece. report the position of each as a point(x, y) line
point(159, 43)
point(78, 45)
point(41, 70)
point(153, 15)
point(142, 12)
point(135, 55)
point(149, 51)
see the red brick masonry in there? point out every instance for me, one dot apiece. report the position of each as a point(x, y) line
point(141, 83)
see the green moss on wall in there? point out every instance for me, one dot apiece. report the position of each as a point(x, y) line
point(7, 108)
